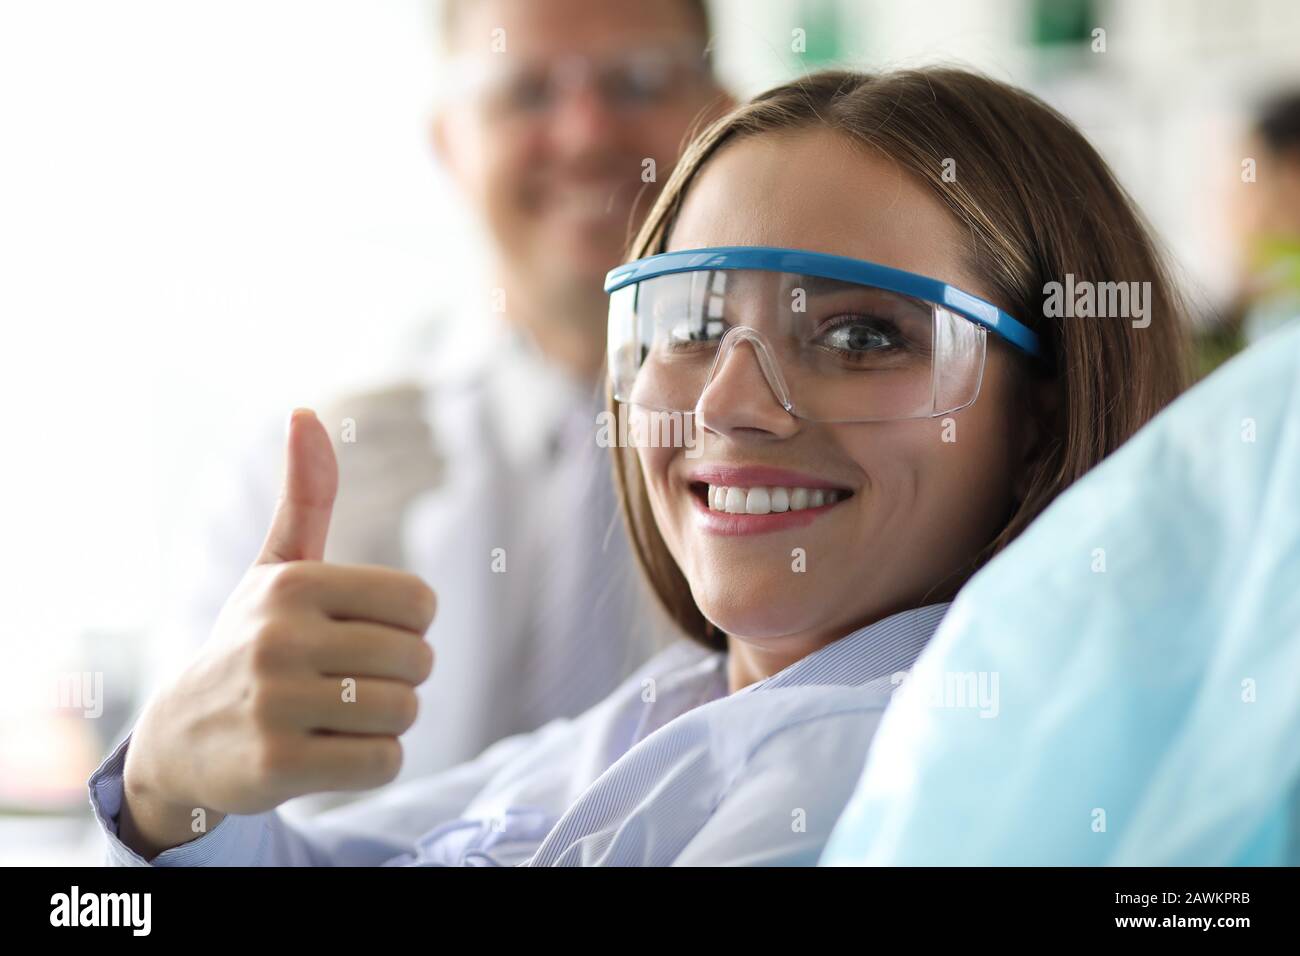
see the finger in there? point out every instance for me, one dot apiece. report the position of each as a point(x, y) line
point(359, 592)
point(311, 478)
point(354, 705)
point(363, 649)
point(318, 762)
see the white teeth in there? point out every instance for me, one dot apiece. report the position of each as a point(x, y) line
point(766, 500)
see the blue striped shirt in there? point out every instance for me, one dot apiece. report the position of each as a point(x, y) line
point(669, 769)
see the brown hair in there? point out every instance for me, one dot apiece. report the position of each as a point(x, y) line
point(1038, 203)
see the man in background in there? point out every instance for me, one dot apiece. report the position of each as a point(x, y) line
point(559, 121)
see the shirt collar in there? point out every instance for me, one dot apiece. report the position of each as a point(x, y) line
point(877, 650)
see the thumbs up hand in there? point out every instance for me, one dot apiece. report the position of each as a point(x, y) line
point(311, 480)
point(305, 685)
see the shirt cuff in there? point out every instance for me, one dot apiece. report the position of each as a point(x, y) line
point(235, 841)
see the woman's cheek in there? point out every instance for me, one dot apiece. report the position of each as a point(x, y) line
point(963, 491)
point(911, 505)
point(656, 465)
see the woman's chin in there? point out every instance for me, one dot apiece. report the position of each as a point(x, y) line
point(760, 619)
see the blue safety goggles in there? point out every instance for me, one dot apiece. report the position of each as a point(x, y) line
point(836, 339)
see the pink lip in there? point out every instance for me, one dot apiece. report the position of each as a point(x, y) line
point(749, 476)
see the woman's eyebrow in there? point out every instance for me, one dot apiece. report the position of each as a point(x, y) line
point(819, 285)
point(816, 286)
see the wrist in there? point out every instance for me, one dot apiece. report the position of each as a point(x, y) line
point(153, 819)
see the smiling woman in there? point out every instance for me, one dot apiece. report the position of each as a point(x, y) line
point(878, 405)
point(942, 427)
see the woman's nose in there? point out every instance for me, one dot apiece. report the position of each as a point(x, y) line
point(739, 399)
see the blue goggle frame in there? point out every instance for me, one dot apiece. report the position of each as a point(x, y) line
point(826, 266)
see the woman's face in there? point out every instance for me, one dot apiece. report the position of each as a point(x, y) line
point(924, 495)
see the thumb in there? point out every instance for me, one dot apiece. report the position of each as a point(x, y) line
point(311, 479)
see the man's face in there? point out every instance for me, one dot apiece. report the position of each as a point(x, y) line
point(551, 140)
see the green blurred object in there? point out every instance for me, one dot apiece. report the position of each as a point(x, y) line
point(1062, 22)
point(1278, 258)
point(1216, 345)
point(1272, 297)
point(820, 21)
point(1270, 301)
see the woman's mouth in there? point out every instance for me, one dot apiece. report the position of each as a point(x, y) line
point(747, 508)
point(761, 500)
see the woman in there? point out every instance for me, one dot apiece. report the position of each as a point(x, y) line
point(879, 406)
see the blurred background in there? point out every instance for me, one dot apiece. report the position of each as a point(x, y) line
point(213, 212)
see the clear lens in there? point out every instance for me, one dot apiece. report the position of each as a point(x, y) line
point(829, 350)
point(635, 80)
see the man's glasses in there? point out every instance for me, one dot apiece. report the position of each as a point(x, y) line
point(629, 83)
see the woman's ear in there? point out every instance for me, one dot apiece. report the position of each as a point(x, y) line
point(1038, 424)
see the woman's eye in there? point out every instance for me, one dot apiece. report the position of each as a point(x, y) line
point(862, 336)
point(690, 333)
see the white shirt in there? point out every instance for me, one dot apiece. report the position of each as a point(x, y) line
point(669, 769)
